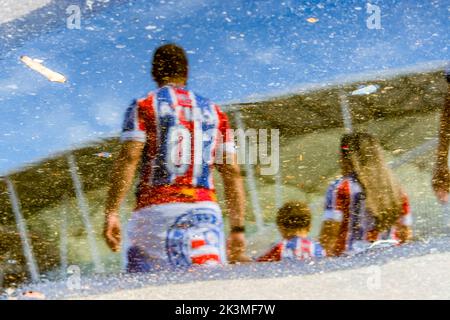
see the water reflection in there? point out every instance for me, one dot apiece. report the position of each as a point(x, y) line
point(403, 114)
point(50, 210)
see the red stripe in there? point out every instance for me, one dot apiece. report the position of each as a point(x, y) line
point(205, 258)
point(343, 204)
point(197, 243)
point(147, 120)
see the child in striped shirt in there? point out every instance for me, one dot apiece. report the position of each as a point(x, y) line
point(294, 224)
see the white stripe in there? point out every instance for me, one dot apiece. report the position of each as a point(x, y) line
point(407, 220)
point(198, 139)
point(173, 96)
point(333, 215)
point(203, 250)
point(213, 112)
point(177, 108)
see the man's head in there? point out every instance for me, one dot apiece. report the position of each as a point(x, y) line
point(170, 65)
point(293, 218)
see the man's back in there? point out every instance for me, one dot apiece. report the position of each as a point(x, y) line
point(183, 133)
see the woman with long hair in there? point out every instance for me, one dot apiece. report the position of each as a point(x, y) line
point(367, 203)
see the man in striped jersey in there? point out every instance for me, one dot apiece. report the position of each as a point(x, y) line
point(294, 224)
point(179, 137)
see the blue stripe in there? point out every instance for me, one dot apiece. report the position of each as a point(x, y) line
point(318, 250)
point(330, 194)
point(161, 174)
point(205, 105)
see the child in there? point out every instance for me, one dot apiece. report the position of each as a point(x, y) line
point(294, 224)
point(366, 204)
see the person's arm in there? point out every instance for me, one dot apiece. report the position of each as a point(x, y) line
point(403, 228)
point(441, 176)
point(234, 193)
point(329, 235)
point(122, 176)
point(235, 200)
point(234, 188)
point(404, 233)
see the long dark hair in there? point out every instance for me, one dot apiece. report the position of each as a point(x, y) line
point(383, 195)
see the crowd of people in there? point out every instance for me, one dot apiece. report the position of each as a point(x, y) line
point(177, 221)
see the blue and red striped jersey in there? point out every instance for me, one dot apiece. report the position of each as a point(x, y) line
point(184, 134)
point(345, 203)
point(295, 248)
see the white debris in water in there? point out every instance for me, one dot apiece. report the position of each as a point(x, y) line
point(312, 20)
point(36, 65)
point(89, 4)
point(103, 154)
point(366, 90)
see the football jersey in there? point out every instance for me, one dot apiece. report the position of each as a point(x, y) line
point(345, 203)
point(295, 248)
point(184, 135)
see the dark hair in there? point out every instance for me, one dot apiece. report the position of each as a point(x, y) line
point(294, 215)
point(348, 142)
point(363, 156)
point(169, 61)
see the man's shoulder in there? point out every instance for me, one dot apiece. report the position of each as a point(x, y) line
point(207, 103)
point(202, 100)
point(145, 100)
point(335, 183)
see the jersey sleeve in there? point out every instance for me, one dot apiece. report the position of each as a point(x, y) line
point(225, 144)
point(273, 254)
point(134, 127)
